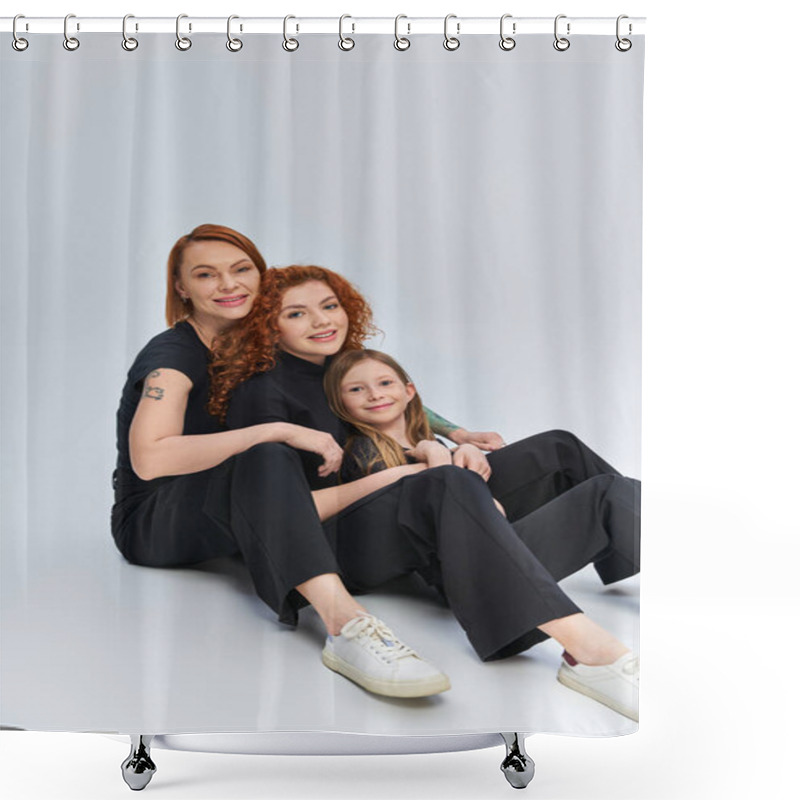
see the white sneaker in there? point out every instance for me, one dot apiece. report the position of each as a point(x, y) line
point(369, 654)
point(614, 685)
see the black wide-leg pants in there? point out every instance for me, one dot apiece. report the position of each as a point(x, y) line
point(568, 505)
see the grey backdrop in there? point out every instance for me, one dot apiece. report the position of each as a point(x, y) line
point(487, 203)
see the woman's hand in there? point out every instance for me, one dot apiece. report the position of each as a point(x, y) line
point(319, 442)
point(468, 456)
point(431, 453)
point(483, 440)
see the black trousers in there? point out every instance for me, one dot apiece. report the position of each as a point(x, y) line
point(499, 580)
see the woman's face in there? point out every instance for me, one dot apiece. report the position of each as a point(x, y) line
point(220, 280)
point(312, 322)
point(372, 392)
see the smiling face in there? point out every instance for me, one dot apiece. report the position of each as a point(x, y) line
point(220, 281)
point(312, 322)
point(372, 392)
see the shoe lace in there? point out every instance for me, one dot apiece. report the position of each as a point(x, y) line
point(631, 666)
point(380, 638)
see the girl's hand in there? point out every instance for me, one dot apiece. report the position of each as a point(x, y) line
point(469, 457)
point(319, 442)
point(432, 453)
point(483, 440)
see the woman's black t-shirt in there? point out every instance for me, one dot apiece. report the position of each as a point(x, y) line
point(291, 391)
point(177, 348)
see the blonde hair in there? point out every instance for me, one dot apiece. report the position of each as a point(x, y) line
point(388, 450)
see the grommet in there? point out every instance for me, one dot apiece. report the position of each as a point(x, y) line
point(401, 42)
point(128, 42)
point(451, 42)
point(507, 42)
point(234, 45)
point(561, 43)
point(290, 45)
point(70, 42)
point(623, 45)
point(182, 42)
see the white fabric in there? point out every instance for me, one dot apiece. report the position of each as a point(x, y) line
point(487, 203)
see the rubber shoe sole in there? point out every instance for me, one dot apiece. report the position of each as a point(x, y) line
point(418, 688)
point(577, 685)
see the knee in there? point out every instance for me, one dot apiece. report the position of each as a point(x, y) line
point(456, 477)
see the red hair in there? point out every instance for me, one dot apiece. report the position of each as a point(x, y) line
point(252, 345)
point(177, 309)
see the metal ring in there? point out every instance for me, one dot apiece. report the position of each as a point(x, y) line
point(507, 42)
point(345, 42)
point(290, 45)
point(451, 42)
point(561, 43)
point(234, 45)
point(181, 42)
point(128, 42)
point(400, 42)
point(623, 45)
point(18, 43)
point(70, 42)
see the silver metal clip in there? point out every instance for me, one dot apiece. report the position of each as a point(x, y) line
point(401, 42)
point(561, 43)
point(70, 42)
point(18, 43)
point(128, 42)
point(289, 44)
point(182, 42)
point(234, 45)
point(451, 42)
point(346, 42)
point(507, 42)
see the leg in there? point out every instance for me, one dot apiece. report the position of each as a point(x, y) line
point(517, 766)
point(596, 521)
point(138, 768)
point(529, 473)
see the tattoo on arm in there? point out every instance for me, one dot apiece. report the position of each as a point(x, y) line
point(154, 392)
point(439, 424)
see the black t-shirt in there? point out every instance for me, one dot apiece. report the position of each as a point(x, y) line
point(362, 458)
point(177, 348)
point(291, 391)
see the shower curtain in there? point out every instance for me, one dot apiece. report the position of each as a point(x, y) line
point(487, 202)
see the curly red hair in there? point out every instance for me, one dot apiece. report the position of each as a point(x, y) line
point(252, 345)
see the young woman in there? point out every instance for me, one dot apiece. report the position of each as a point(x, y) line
point(441, 522)
point(187, 489)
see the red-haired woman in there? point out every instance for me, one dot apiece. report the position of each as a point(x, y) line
point(440, 522)
point(187, 489)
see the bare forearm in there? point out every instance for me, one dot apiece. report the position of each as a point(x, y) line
point(182, 455)
point(332, 500)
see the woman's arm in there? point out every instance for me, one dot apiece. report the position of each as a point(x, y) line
point(159, 448)
point(485, 440)
point(332, 500)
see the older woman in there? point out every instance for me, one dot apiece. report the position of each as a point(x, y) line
point(187, 489)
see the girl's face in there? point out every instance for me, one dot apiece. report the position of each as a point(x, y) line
point(312, 323)
point(220, 280)
point(372, 392)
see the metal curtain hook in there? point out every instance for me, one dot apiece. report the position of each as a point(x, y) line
point(623, 45)
point(290, 45)
point(401, 42)
point(507, 42)
point(70, 42)
point(451, 42)
point(18, 43)
point(234, 45)
point(345, 42)
point(182, 42)
point(561, 43)
point(128, 42)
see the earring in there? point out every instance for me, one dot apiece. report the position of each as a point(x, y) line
point(184, 298)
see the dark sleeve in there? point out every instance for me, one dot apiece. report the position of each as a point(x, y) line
point(357, 455)
point(169, 353)
point(259, 399)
